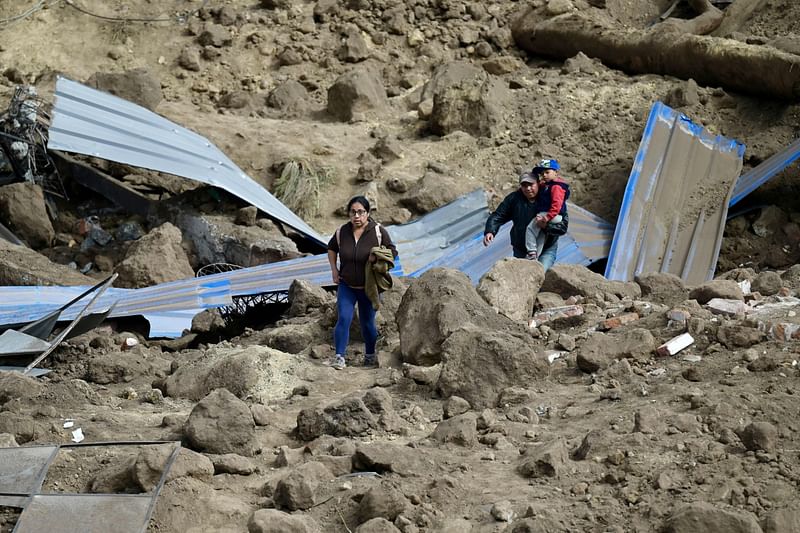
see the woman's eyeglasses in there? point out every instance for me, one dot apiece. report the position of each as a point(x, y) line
point(358, 213)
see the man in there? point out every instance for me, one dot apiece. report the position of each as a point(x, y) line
point(520, 208)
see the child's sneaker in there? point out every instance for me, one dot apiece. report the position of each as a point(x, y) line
point(533, 256)
point(370, 360)
point(338, 362)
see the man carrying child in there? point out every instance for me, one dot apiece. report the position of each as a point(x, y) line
point(540, 201)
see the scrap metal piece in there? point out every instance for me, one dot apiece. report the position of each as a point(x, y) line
point(9, 236)
point(67, 329)
point(91, 122)
point(676, 201)
point(22, 473)
point(757, 176)
point(16, 343)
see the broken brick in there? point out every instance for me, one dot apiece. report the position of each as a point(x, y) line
point(617, 321)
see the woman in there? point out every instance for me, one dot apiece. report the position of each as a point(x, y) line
point(352, 244)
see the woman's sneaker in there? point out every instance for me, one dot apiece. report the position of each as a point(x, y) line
point(338, 362)
point(371, 360)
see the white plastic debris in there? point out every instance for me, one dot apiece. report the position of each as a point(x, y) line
point(675, 344)
point(77, 435)
point(129, 343)
point(68, 423)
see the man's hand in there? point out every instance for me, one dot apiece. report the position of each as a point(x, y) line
point(335, 276)
point(488, 238)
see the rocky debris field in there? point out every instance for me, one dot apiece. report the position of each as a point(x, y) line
point(531, 402)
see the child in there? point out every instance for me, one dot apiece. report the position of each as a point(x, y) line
point(552, 199)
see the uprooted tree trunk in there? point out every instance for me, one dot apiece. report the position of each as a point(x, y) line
point(711, 61)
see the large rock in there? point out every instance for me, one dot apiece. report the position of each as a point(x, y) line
point(156, 258)
point(217, 239)
point(289, 97)
point(221, 423)
point(294, 338)
point(357, 92)
point(377, 525)
point(767, 283)
point(243, 371)
point(348, 417)
point(188, 504)
point(726, 289)
point(782, 521)
point(434, 190)
point(461, 430)
point(22, 209)
point(511, 286)
point(275, 521)
point(22, 266)
point(297, 491)
point(138, 86)
point(478, 363)
point(387, 457)
point(435, 305)
point(600, 349)
point(304, 296)
point(662, 287)
point(14, 385)
point(575, 280)
point(383, 501)
point(465, 98)
point(548, 459)
point(150, 464)
point(702, 516)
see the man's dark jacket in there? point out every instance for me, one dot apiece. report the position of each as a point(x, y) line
point(515, 208)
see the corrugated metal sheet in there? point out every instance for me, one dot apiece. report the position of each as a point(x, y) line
point(673, 213)
point(91, 122)
point(756, 177)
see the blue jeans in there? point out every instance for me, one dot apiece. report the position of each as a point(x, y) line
point(547, 257)
point(346, 299)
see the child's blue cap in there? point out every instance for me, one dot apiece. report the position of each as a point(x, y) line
point(546, 164)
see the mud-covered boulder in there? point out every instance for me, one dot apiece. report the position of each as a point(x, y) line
point(548, 459)
point(139, 86)
point(150, 464)
point(294, 338)
point(304, 296)
point(388, 457)
point(14, 385)
point(726, 289)
point(435, 305)
point(357, 92)
point(221, 423)
point(383, 501)
point(290, 98)
point(20, 265)
point(275, 521)
point(348, 417)
point(478, 363)
point(158, 257)
point(461, 430)
point(662, 287)
point(189, 504)
point(601, 349)
point(297, 490)
point(23, 211)
point(767, 283)
point(511, 286)
point(433, 190)
point(217, 239)
point(575, 280)
point(703, 516)
point(465, 98)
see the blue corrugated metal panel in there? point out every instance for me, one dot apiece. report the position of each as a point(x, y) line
point(755, 177)
point(676, 199)
point(91, 122)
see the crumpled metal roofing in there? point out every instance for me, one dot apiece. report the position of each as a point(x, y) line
point(91, 122)
point(676, 201)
